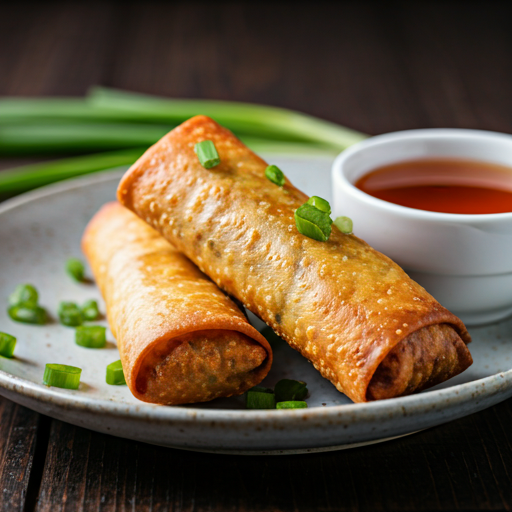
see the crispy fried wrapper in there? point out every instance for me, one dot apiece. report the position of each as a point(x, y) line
point(355, 314)
point(181, 339)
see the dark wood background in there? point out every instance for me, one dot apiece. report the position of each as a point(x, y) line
point(373, 67)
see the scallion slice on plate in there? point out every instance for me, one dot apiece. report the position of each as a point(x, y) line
point(24, 294)
point(7, 344)
point(90, 311)
point(62, 376)
point(91, 336)
point(115, 373)
point(260, 400)
point(291, 405)
point(75, 268)
point(28, 314)
point(70, 314)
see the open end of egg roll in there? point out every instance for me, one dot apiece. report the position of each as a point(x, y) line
point(423, 359)
point(200, 366)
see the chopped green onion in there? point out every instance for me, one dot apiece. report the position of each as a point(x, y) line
point(75, 268)
point(90, 310)
point(344, 224)
point(7, 344)
point(320, 203)
point(313, 223)
point(62, 376)
point(275, 175)
point(207, 154)
point(115, 373)
point(287, 389)
point(260, 400)
point(28, 314)
point(291, 405)
point(70, 314)
point(91, 336)
point(272, 338)
point(24, 294)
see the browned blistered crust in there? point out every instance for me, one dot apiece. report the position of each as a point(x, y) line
point(340, 303)
point(159, 303)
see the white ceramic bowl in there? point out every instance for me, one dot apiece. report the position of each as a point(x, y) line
point(464, 261)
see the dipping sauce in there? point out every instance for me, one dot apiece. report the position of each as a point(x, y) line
point(444, 185)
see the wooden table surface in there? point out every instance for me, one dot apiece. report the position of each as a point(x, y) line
point(375, 68)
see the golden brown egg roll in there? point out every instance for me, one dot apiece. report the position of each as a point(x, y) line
point(181, 339)
point(355, 314)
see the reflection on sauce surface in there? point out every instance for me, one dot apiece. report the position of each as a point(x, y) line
point(442, 185)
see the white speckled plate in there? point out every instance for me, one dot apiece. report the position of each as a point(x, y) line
point(41, 229)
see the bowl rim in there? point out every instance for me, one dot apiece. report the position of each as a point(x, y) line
point(341, 181)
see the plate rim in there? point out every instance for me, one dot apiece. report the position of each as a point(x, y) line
point(406, 405)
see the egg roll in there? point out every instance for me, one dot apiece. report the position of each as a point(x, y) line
point(351, 311)
point(181, 339)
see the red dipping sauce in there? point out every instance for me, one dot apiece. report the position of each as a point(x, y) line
point(444, 185)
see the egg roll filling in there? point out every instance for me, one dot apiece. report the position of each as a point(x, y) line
point(201, 366)
point(423, 359)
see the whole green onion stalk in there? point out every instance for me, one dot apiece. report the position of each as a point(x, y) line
point(256, 120)
point(118, 126)
point(21, 179)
